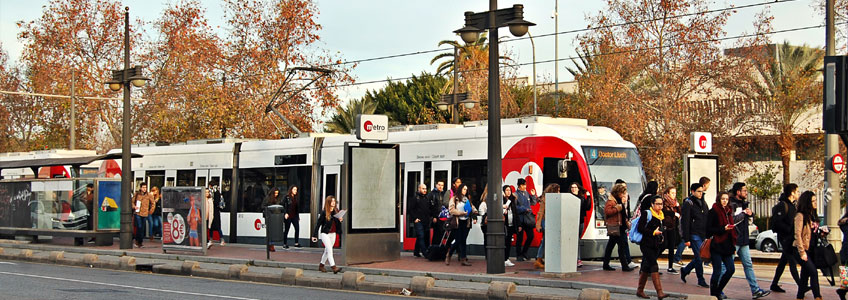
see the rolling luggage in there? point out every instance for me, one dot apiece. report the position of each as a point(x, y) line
point(438, 252)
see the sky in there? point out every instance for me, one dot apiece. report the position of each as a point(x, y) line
point(365, 29)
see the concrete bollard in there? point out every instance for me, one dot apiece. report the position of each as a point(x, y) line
point(420, 284)
point(500, 290)
point(25, 254)
point(127, 262)
point(55, 256)
point(89, 259)
point(290, 276)
point(594, 294)
point(700, 297)
point(350, 280)
point(235, 271)
point(188, 267)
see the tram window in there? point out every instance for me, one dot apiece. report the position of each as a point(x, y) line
point(226, 188)
point(185, 177)
point(201, 181)
point(169, 181)
point(473, 175)
point(256, 184)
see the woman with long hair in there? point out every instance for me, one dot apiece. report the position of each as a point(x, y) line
point(722, 229)
point(578, 192)
point(671, 210)
point(156, 215)
point(291, 217)
point(510, 223)
point(326, 227)
point(273, 198)
point(483, 210)
point(616, 219)
point(651, 227)
point(460, 208)
point(807, 234)
point(540, 225)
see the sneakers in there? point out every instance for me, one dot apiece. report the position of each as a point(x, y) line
point(508, 263)
point(760, 293)
point(722, 296)
point(633, 265)
point(285, 246)
point(297, 246)
point(208, 244)
point(579, 263)
point(679, 264)
point(222, 242)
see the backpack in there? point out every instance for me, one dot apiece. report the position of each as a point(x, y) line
point(774, 217)
point(635, 236)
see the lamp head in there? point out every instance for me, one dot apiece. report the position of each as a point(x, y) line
point(469, 33)
point(518, 26)
point(114, 85)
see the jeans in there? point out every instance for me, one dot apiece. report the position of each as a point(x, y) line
point(329, 239)
point(510, 233)
point(786, 257)
point(421, 240)
point(541, 252)
point(678, 256)
point(696, 263)
point(155, 225)
point(744, 253)
point(620, 241)
point(140, 223)
point(289, 222)
point(460, 235)
point(720, 279)
point(809, 275)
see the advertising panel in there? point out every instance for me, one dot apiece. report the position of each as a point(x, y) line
point(108, 209)
point(184, 219)
point(16, 206)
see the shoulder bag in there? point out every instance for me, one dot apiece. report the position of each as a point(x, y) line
point(705, 249)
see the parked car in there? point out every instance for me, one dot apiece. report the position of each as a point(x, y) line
point(753, 232)
point(767, 242)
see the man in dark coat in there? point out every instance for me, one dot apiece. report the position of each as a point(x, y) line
point(420, 214)
point(742, 216)
point(693, 224)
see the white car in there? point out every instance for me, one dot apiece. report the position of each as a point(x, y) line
point(767, 242)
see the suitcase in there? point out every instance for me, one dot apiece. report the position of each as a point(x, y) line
point(440, 251)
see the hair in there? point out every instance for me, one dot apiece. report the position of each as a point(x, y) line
point(652, 188)
point(458, 191)
point(485, 193)
point(154, 188)
point(736, 188)
point(455, 179)
point(667, 190)
point(704, 180)
point(271, 198)
point(90, 185)
point(646, 204)
point(695, 186)
point(618, 190)
point(619, 181)
point(789, 188)
point(291, 191)
point(552, 188)
point(718, 197)
point(328, 213)
point(437, 182)
point(805, 207)
point(142, 184)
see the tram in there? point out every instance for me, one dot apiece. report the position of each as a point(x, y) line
point(541, 150)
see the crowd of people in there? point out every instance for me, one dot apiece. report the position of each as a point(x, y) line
point(147, 214)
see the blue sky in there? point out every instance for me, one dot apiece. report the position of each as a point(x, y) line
point(371, 28)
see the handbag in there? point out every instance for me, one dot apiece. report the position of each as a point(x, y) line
point(825, 256)
point(452, 223)
point(614, 230)
point(528, 220)
point(705, 249)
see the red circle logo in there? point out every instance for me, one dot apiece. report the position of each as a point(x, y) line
point(368, 126)
point(702, 142)
point(257, 224)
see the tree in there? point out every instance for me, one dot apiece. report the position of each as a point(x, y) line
point(411, 102)
point(786, 83)
point(344, 121)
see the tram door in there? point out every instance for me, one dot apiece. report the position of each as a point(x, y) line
point(441, 172)
point(413, 176)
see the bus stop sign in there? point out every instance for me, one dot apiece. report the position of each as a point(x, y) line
point(837, 163)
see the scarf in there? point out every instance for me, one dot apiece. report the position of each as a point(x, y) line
point(725, 218)
point(657, 214)
point(669, 202)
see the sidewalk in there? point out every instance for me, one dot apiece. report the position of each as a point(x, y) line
point(528, 279)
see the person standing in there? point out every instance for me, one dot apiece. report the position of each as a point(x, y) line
point(419, 213)
point(326, 227)
point(807, 233)
point(525, 212)
point(742, 216)
point(578, 192)
point(694, 228)
point(141, 206)
point(88, 200)
point(462, 210)
point(653, 241)
point(156, 215)
point(540, 227)
point(292, 217)
point(210, 217)
point(510, 222)
point(483, 211)
point(616, 221)
point(783, 214)
point(720, 227)
point(671, 233)
point(435, 199)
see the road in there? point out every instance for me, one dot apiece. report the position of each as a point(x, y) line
point(21, 280)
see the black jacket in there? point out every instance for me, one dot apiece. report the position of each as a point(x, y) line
point(646, 228)
point(783, 220)
point(716, 228)
point(693, 218)
point(435, 199)
point(741, 220)
point(291, 207)
point(419, 208)
point(324, 226)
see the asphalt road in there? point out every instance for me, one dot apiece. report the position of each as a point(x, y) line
point(21, 280)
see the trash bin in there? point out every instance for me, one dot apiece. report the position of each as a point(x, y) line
point(273, 226)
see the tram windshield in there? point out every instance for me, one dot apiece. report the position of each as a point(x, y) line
point(607, 164)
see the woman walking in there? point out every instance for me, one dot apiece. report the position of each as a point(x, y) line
point(291, 217)
point(616, 221)
point(652, 244)
point(807, 234)
point(462, 210)
point(721, 227)
point(156, 216)
point(671, 210)
point(326, 227)
point(509, 222)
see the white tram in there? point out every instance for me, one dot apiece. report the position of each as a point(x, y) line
point(533, 147)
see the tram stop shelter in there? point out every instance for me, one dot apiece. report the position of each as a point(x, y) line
point(34, 207)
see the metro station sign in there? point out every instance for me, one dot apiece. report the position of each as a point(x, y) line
point(372, 127)
point(701, 142)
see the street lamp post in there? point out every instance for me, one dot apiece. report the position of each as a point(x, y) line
point(474, 24)
point(535, 95)
point(123, 79)
point(454, 99)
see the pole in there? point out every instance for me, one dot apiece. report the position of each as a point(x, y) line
point(556, 57)
point(126, 166)
point(455, 104)
point(495, 230)
point(831, 146)
point(535, 95)
point(72, 146)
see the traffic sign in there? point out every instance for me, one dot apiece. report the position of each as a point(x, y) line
point(837, 163)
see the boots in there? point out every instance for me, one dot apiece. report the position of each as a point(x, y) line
point(321, 268)
point(465, 262)
point(640, 291)
point(655, 277)
point(335, 269)
point(841, 293)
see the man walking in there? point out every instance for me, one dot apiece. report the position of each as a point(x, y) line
point(419, 213)
point(742, 216)
point(693, 225)
point(783, 220)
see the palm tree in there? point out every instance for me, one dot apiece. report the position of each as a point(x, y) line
point(344, 121)
point(788, 86)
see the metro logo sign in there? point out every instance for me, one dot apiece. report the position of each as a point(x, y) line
point(372, 127)
point(701, 142)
